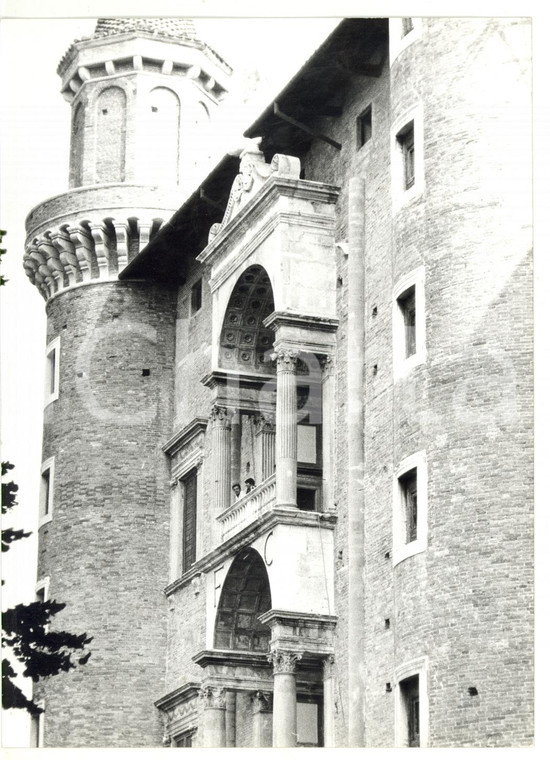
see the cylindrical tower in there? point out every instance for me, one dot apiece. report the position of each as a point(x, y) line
point(141, 92)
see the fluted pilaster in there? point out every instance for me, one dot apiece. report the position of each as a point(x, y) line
point(265, 432)
point(221, 458)
point(287, 434)
point(214, 700)
point(284, 697)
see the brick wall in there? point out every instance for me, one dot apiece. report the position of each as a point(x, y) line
point(106, 548)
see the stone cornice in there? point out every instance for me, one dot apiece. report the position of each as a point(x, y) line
point(303, 619)
point(231, 658)
point(227, 377)
point(178, 696)
point(290, 319)
point(277, 516)
point(185, 435)
point(259, 206)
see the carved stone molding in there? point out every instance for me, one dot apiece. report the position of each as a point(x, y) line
point(287, 360)
point(327, 366)
point(264, 423)
point(253, 174)
point(328, 667)
point(283, 661)
point(214, 697)
point(219, 416)
point(262, 701)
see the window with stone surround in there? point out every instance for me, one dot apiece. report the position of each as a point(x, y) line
point(409, 323)
point(51, 384)
point(410, 507)
point(45, 510)
point(407, 157)
point(411, 704)
point(402, 33)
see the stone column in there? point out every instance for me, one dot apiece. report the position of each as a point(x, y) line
point(214, 716)
point(265, 436)
point(262, 719)
point(236, 437)
point(328, 701)
point(329, 431)
point(230, 717)
point(221, 459)
point(284, 697)
point(286, 439)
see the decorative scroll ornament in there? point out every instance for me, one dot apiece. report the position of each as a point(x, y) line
point(327, 365)
point(283, 661)
point(264, 423)
point(328, 667)
point(253, 174)
point(286, 359)
point(213, 697)
point(262, 701)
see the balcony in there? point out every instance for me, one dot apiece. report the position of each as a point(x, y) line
point(247, 509)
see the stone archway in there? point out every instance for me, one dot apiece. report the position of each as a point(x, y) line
point(245, 344)
point(245, 596)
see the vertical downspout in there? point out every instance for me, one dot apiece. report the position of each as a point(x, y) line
point(356, 388)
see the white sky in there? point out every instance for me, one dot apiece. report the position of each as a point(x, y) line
point(34, 152)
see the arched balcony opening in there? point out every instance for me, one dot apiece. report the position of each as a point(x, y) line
point(245, 596)
point(245, 344)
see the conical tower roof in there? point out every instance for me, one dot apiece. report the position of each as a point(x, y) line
point(182, 28)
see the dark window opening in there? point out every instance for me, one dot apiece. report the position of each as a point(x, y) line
point(189, 544)
point(406, 26)
point(196, 296)
point(184, 740)
point(46, 485)
point(408, 485)
point(51, 371)
point(411, 702)
point(406, 141)
point(407, 304)
point(364, 127)
point(305, 498)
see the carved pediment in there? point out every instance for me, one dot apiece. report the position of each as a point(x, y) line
point(253, 174)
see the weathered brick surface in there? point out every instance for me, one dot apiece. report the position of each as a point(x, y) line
point(106, 549)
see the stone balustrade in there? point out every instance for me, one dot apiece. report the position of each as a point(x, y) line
point(247, 509)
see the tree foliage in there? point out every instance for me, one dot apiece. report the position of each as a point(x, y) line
point(25, 630)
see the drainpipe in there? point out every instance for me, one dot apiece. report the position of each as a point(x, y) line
point(356, 391)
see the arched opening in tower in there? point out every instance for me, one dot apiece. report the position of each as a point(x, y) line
point(245, 596)
point(245, 344)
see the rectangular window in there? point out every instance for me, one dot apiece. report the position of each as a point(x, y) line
point(409, 323)
point(364, 127)
point(407, 304)
point(51, 380)
point(306, 499)
point(408, 485)
point(196, 296)
point(189, 543)
point(46, 491)
point(410, 526)
point(410, 696)
point(37, 728)
point(405, 139)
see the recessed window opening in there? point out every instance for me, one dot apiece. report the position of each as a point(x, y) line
point(196, 296)
point(407, 26)
point(51, 371)
point(189, 543)
point(410, 695)
point(405, 138)
point(407, 304)
point(409, 496)
point(46, 495)
point(305, 498)
point(364, 127)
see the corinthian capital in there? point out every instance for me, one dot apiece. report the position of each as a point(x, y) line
point(213, 696)
point(287, 360)
point(219, 415)
point(262, 701)
point(283, 661)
